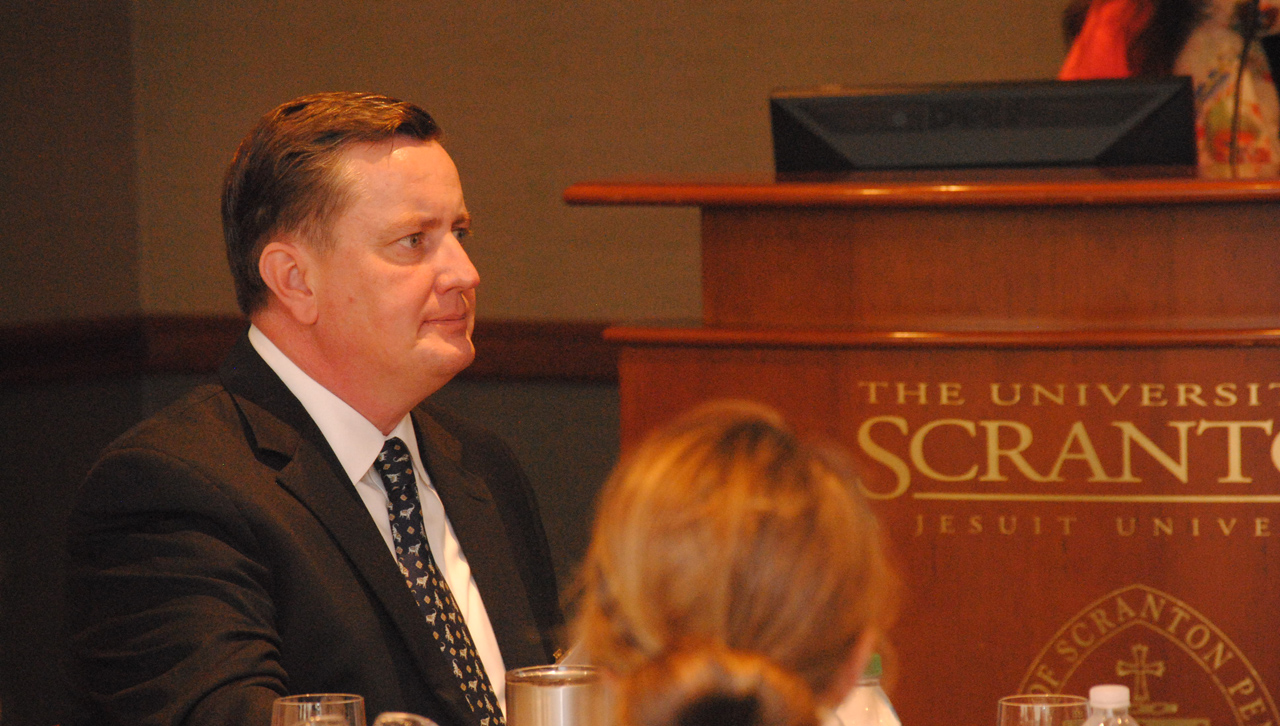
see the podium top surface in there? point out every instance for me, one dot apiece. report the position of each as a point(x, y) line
point(1101, 186)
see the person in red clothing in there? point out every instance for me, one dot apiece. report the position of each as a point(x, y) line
point(1202, 39)
point(1124, 38)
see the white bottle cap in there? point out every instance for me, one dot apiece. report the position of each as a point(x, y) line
point(1109, 696)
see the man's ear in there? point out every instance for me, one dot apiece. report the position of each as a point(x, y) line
point(286, 267)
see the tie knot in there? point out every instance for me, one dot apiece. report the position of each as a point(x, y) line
point(393, 447)
point(394, 465)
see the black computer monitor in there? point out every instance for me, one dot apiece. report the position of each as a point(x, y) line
point(1023, 123)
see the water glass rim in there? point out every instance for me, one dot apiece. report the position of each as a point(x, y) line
point(558, 672)
point(320, 698)
point(1044, 699)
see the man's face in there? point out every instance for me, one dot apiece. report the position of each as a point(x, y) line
point(395, 294)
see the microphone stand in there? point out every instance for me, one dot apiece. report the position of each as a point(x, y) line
point(1250, 17)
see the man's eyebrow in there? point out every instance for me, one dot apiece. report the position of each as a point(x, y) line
point(426, 221)
point(418, 221)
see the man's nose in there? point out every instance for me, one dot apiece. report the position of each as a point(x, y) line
point(456, 270)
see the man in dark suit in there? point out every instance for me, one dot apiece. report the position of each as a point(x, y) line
point(308, 523)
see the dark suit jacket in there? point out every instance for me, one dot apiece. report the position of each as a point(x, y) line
point(220, 557)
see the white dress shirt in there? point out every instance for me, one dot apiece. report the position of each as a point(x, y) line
point(357, 443)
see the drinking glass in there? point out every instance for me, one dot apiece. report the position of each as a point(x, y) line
point(398, 718)
point(318, 709)
point(557, 695)
point(1034, 709)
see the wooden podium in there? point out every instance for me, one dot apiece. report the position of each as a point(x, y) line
point(1063, 390)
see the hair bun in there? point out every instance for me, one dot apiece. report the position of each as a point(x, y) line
point(710, 686)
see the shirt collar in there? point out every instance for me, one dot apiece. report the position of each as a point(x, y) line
point(354, 440)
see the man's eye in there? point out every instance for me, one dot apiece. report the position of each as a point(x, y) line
point(412, 241)
point(461, 233)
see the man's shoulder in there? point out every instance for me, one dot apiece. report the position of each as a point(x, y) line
point(205, 433)
point(193, 450)
point(192, 419)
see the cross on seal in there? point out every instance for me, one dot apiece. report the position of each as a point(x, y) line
point(1140, 669)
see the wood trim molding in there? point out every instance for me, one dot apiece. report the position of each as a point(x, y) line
point(77, 350)
point(546, 350)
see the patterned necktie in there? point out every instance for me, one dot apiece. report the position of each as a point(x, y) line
point(429, 587)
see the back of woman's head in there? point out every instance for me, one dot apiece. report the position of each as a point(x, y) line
point(709, 686)
point(726, 543)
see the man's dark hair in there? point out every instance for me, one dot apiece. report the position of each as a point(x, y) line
point(287, 175)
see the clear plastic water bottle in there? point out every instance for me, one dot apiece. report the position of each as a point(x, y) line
point(867, 704)
point(1109, 706)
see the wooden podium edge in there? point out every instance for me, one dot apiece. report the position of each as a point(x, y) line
point(1067, 188)
point(652, 336)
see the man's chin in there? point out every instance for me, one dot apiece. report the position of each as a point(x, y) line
point(449, 357)
point(466, 357)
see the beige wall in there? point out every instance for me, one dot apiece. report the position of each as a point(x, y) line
point(532, 96)
point(68, 238)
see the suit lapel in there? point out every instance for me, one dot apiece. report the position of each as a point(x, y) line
point(308, 469)
point(309, 478)
point(478, 525)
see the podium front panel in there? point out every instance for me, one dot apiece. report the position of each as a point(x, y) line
point(1063, 516)
point(993, 268)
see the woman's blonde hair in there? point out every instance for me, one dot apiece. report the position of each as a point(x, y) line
point(732, 571)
